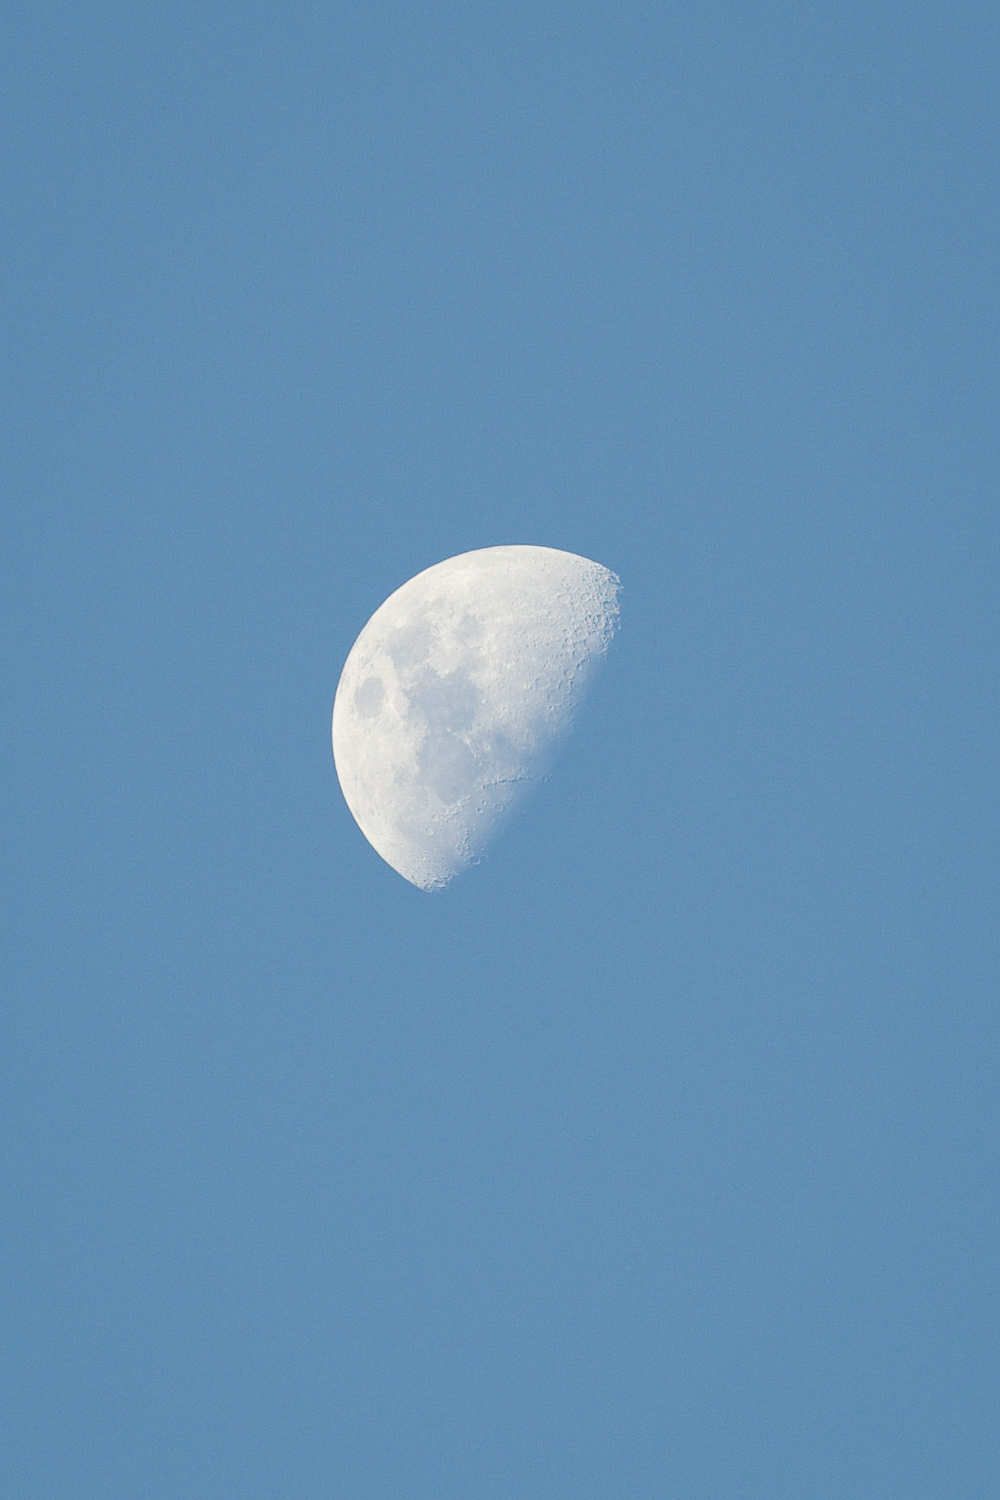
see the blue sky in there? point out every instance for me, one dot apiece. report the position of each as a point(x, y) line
point(657, 1156)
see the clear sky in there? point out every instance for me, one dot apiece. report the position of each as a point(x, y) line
point(657, 1157)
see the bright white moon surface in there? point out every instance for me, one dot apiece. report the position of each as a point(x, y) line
point(456, 693)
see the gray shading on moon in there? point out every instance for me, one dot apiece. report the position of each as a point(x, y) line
point(455, 695)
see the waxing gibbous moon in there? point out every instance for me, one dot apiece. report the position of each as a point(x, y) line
point(456, 693)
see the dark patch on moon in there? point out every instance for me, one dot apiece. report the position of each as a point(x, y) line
point(411, 646)
point(369, 698)
point(445, 703)
point(447, 766)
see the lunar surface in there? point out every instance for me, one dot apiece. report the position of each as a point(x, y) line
point(456, 693)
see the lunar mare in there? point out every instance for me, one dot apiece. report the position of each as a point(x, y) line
point(455, 694)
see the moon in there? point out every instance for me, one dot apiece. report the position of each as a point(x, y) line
point(455, 695)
